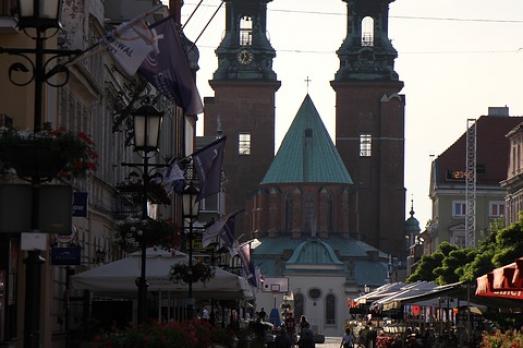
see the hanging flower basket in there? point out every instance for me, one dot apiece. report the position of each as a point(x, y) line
point(156, 233)
point(47, 154)
point(200, 272)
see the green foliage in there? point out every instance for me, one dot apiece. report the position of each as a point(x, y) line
point(157, 233)
point(450, 264)
point(451, 268)
point(199, 272)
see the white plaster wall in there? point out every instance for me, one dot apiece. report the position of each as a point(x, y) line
point(314, 311)
point(315, 314)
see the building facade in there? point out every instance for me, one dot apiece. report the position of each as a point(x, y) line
point(514, 181)
point(243, 106)
point(300, 215)
point(370, 126)
point(90, 102)
point(447, 181)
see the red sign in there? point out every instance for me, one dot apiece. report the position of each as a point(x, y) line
point(416, 310)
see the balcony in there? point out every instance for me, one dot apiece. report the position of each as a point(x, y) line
point(7, 20)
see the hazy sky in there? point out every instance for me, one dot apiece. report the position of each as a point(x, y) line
point(456, 58)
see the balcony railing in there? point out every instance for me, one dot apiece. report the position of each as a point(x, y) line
point(7, 8)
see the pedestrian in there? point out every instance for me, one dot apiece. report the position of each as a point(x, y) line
point(290, 326)
point(348, 340)
point(306, 337)
point(303, 322)
point(262, 314)
point(283, 339)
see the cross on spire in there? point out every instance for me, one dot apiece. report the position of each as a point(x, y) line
point(308, 81)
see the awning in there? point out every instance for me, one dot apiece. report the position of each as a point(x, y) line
point(503, 282)
point(379, 293)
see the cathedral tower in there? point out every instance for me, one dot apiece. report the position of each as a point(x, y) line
point(370, 125)
point(244, 99)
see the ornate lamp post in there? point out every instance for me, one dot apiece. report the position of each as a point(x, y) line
point(190, 207)
point(37, 16)
point(147, 121)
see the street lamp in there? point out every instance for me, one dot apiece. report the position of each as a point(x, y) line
point(190, 207)
point(39, 15)
point(147, 121)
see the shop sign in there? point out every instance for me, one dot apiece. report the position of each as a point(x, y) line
point(66, 256)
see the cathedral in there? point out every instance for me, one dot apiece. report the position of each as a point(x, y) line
point(322, 211)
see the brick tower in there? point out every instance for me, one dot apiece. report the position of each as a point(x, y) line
point(370, 126)
point(244, 100)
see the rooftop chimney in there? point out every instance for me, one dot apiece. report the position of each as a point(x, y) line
point(498, 111)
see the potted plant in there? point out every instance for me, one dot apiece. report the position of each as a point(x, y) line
point(48, 153)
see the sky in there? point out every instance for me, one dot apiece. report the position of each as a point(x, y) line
point(456, 58)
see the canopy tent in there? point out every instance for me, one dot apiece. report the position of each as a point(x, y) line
point(503, 282)
point(119, 277)
point(393, 301)
point(381, 292)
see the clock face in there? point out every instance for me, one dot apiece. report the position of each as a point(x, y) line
point(245, 57)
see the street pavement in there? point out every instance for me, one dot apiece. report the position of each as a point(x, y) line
point(330, 342)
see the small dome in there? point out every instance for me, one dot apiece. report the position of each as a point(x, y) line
point(412, 224)
point(314, 251)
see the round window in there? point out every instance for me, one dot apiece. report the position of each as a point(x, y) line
point(314, 293)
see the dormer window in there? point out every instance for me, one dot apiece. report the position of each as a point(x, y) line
point(246, 31)
point(367, 32)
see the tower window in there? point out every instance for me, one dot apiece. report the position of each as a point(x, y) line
point(367, 32)
point(365, 145)
point(244, 144)
point(246, 31)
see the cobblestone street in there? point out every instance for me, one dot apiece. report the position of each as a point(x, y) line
point(330, 342)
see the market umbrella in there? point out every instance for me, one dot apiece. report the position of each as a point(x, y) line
point(119, 277)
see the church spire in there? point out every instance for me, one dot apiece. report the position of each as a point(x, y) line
point(367, 53)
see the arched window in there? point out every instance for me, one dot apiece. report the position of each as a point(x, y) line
point(298, 305)
point(246, 31)
point(367, 32)
point(330, 309)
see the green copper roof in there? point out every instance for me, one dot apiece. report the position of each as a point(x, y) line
point(307, 153)
point(313, 252)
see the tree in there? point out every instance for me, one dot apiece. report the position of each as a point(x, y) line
point(428, 263)
point(425, 268)
point(451, 268)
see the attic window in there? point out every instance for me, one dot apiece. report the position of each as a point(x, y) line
point(246, 31)
point(308, 132)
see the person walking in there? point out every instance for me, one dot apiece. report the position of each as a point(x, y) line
point(348, 339)
point(306, 336)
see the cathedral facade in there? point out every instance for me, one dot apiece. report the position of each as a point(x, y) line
point(369, 130)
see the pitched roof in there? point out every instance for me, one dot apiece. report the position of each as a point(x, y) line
point(492, 153)
point(313, 252)
point(307, 153)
